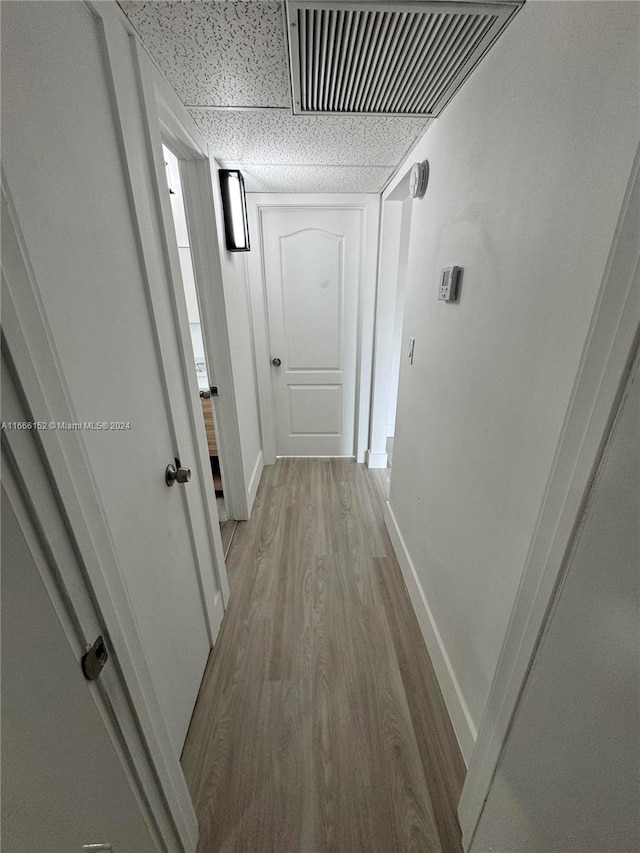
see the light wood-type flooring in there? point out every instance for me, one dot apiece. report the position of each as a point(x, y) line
point(320, 725)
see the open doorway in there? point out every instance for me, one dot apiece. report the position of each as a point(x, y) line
point(208, 391)
point(398, 322)
point(390, 344)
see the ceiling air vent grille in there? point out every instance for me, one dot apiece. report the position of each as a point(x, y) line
point(386, 59)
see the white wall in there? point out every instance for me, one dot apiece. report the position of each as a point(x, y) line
point(529, 164)
point(570, 771)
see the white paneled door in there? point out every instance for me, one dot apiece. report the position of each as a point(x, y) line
point(79, 196)
point(312, 260)
point(54, 742)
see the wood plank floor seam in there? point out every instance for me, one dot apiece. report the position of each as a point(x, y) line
point(320, 726)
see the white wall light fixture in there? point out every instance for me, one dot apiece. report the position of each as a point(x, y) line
point(234, 206)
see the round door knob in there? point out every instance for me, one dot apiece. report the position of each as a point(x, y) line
point(176, 475)
point(276, 362)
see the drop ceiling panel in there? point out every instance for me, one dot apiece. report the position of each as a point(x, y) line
point(223, 53)
point(315, 179)
point(278, 137)
point(228, 62)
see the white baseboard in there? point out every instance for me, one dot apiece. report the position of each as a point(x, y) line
point(376, 460)
point(254, 482)
point(460, 717)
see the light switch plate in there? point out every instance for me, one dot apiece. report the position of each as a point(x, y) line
point(449, 284)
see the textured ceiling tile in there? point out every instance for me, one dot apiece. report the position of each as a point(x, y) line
point(315, 179)
point(226, 53)
point(278, 137)
point(219, 53)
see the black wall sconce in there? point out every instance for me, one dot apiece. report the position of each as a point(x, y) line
point(234, 206)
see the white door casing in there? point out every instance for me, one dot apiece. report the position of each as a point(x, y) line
point(312, 274)
point(395, 224)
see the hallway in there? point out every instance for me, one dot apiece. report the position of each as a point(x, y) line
point(319, 724)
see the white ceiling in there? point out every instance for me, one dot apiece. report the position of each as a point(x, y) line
point(222, 53)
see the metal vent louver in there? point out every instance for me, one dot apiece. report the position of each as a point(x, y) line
point(386, 58)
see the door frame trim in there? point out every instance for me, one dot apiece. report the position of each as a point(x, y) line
point(606, 361)
point(35, 367)
point(395, 216)
point(369, 207)
point(167, 122)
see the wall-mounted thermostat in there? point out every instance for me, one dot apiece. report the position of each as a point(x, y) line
point(449, 284)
